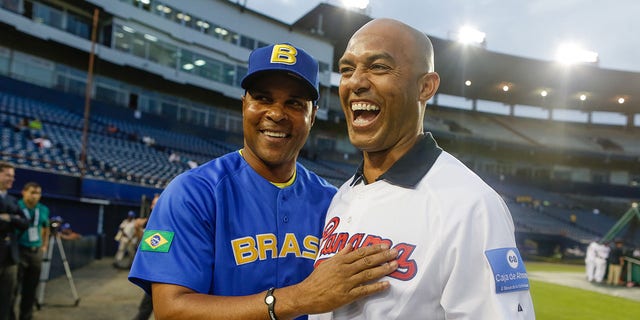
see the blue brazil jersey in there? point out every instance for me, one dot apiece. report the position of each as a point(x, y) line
point(223, 229)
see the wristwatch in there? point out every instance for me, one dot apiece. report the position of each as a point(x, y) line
point(270, 301)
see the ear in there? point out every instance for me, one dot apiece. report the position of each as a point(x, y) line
point(429, 84)
point(314, 110)
point(242, 100)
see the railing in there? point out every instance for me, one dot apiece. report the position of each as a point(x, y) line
point(633, 270)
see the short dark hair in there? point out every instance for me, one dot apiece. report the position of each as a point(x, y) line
point(5, 165)
point(31, 184)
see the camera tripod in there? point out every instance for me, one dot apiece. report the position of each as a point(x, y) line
point(46, 268)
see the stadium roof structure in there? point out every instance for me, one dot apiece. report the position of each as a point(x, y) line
point(626, 219)
point(489, 71)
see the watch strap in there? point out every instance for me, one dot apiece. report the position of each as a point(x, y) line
point(270, 301)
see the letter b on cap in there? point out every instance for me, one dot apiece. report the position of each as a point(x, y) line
point(283, 53)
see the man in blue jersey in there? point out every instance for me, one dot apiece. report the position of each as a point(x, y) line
point(236, 238)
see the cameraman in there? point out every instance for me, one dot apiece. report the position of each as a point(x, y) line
point(33, 243)
point(66, 233)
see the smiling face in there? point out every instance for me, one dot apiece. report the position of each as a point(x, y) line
point(384, 86)
point(277, 117)
point(7, 176)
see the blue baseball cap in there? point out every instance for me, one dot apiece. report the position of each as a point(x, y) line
point(131, 213)
point(286, 58)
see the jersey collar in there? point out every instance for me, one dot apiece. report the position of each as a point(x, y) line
point(411, 167)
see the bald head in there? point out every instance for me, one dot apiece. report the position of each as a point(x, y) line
point(386, 80)
point(417, 45)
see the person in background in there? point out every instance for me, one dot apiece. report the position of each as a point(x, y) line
point(616, 261)
point(601, 257)
point(33, 243)
point(573, 218)
point(127, 240)
point(174, 157)
point(590, 261)
point(236, 237)
point(112, 129)
point(35, 125)
point(458, 256)
point(23, 124)
point(43, 142)
point(12, 222)
point(67, 233)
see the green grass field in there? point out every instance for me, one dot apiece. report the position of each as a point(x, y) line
point(554, 302)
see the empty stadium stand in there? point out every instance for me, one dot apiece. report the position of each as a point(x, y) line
point(123, 156)
point(120, 156)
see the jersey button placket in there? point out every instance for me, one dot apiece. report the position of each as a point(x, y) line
point(285, 218)
point(283, 214)
point(281, 230)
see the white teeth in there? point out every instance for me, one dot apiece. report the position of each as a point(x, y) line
point(360, 121)
point(275, 134)
point(364, 107)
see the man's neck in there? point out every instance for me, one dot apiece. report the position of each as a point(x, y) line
point(279, 174)
point(377, 163)
point(30, 206)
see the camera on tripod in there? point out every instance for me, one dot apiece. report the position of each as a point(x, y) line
point(55, 223)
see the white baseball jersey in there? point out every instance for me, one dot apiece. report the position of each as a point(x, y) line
point(590, 255)
point(455, 236)
point(590, 260)
point(602, 251)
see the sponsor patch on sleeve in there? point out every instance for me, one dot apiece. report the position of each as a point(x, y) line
point(156, 241)
point(508, 269)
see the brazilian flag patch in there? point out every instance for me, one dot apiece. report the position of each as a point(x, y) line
point(156, 241)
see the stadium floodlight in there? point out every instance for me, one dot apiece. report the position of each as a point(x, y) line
point(128, 29)
point(150, 37)
point(221, 31)
point(199, 62)
point(160, 8)
point(544, 93)
point(471, 35)
point(573, 54)
point(505, 88)
point(355, 4)
point(583, 97)
point(467, 83)
point(188, 66)
point(183, 16)
point(620, 100)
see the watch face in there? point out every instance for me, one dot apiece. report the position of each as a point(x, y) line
point(269, 300)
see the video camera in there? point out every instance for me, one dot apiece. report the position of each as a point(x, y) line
point(55, 222)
